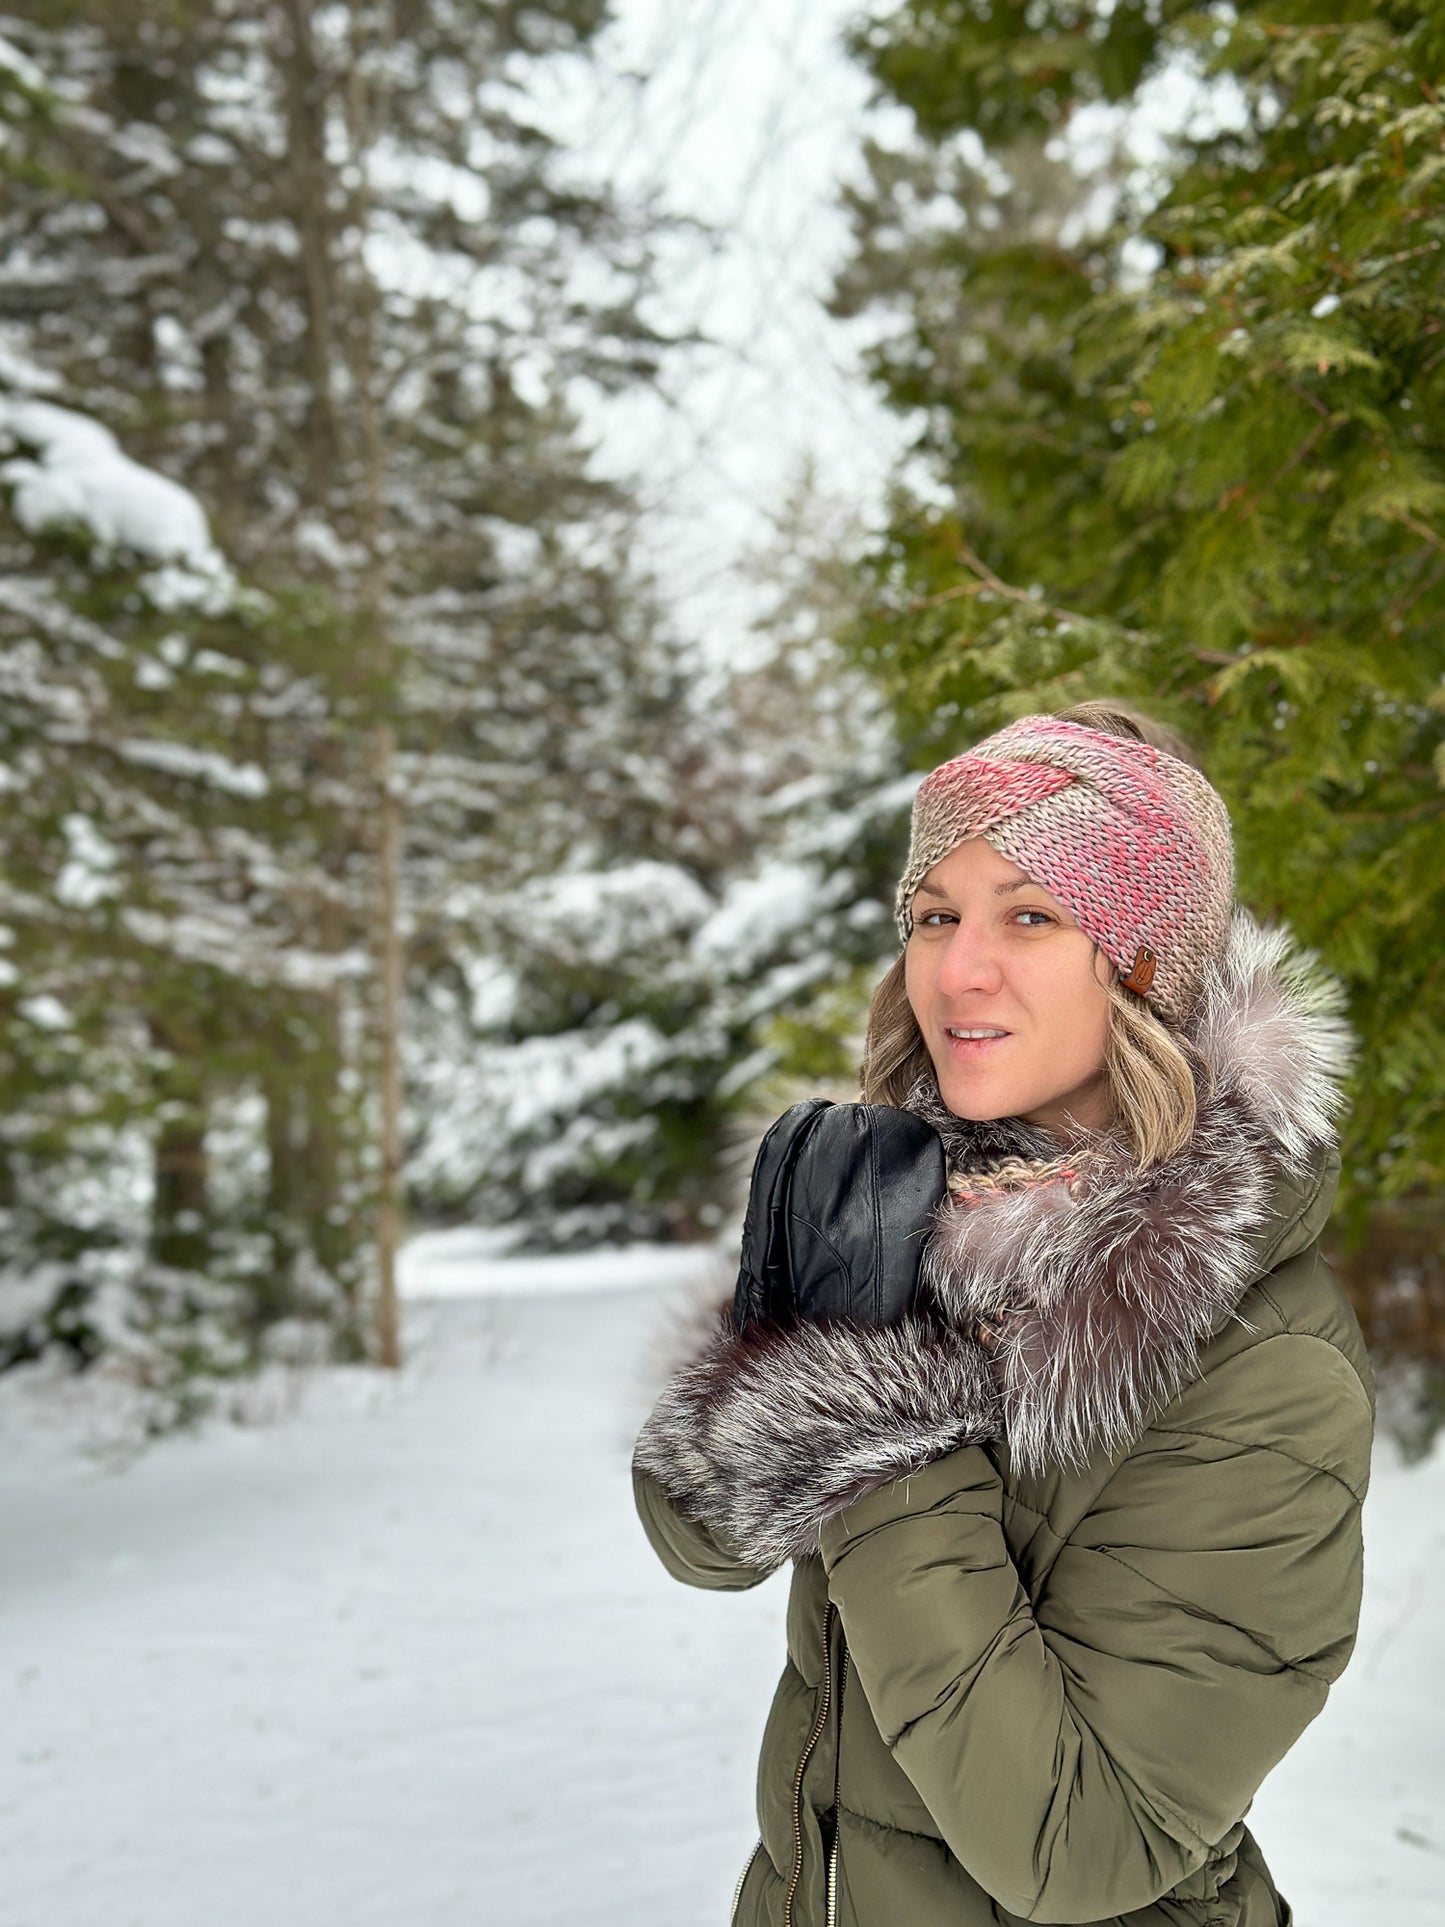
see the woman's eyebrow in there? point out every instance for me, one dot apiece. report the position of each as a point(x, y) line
point(999, 889)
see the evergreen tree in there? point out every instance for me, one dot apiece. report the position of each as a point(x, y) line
point(343, 297)
point(604, 1069)
point(1185, 423)
point(160, 872)
point(324, 267)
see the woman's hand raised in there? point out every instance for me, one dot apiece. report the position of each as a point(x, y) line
point(841, 1202)
point(836, 1375)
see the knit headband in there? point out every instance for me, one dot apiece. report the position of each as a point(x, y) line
point(1135, 842)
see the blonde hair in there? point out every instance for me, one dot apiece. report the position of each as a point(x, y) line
point(1151, 1072)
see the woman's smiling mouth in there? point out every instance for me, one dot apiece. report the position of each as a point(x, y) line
point(973, 1040)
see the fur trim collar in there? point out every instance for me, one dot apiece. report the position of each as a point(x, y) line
point(1103, 1281)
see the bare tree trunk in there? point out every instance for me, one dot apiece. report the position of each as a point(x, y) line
point(389, 1016)
point(324, 1100)
point(390, 962)
point(333, 213)
point(276, 1292)
point(180, 1216)
point(306, 114)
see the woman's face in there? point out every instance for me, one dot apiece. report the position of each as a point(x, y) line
point(993, 951)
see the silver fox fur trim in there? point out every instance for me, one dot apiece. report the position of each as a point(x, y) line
point(771, 1431)
point(1111, 1279)
point(1270, 1024)
point(1116, 1280)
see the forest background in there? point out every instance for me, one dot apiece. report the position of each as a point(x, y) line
point(384, 846)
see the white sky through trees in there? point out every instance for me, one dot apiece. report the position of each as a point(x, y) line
point(744, 114)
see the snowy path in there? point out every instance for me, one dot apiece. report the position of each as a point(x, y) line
point(404, 1657)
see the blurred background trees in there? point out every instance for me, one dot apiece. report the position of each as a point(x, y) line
point(1158, 290)
point(318, 266)
point(330, 662)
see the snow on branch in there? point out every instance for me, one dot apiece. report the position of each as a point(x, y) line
point(226, 939)
point(78, 474)
point(204, 765)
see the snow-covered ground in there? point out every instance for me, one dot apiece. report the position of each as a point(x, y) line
point(399, 1653)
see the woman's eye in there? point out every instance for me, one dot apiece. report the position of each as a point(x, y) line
point(935, 919)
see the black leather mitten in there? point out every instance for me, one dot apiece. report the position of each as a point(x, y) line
point(841, 1203)
point(764, 1292)
point(836, 1375)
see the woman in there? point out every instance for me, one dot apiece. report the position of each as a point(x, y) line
point(1074, 1505)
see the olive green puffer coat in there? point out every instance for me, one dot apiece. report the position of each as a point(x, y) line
point(1038, 1666)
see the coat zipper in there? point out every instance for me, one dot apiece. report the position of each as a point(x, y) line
point(824, 1697)
point(837, 1776)
point(738, 1890)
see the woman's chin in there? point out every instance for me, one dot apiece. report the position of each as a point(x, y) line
point(975, 1104)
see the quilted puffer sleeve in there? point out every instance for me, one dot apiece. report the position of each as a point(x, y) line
point(690, 1550)
point(770, 1431)
point(1081, 1754)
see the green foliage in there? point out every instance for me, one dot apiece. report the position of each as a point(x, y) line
point(1215, 486)
point(163, 878)
point(1006, 68)
point(333, 279)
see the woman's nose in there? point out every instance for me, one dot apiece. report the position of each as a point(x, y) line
point(970, 963)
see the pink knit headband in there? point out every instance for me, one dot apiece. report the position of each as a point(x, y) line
point(1133, 841)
